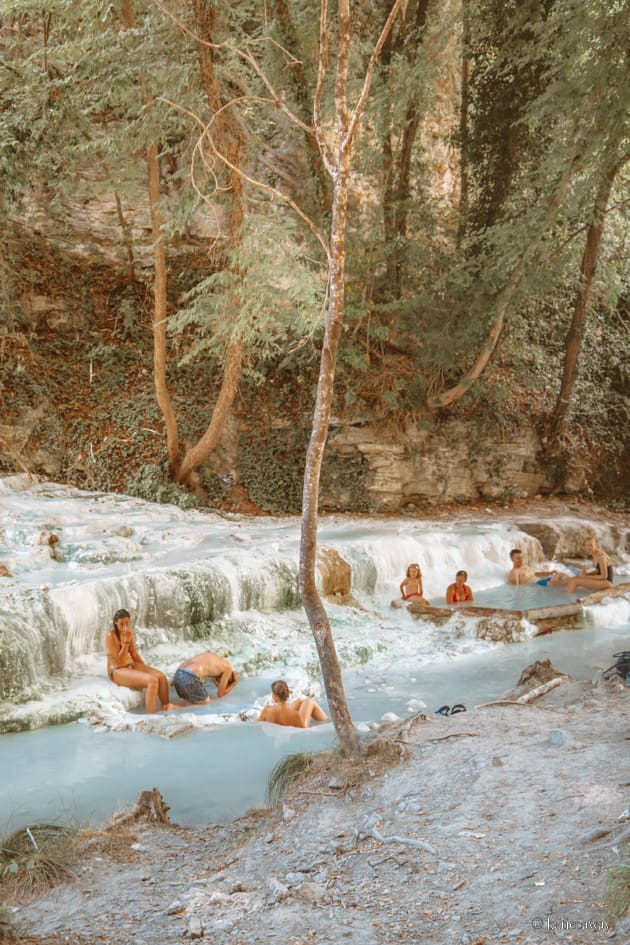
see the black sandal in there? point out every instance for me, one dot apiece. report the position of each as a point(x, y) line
point(458, 708)
point(443, 710)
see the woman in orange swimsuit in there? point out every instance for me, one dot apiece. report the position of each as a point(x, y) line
point(125, 666)
point(459, 592)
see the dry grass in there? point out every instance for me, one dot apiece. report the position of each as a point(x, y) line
point(37, 857)
point(9, 931)
point(285, 775)
point(114, 844)
point(618, 888)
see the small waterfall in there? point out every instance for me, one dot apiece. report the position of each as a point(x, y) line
point(196, 580)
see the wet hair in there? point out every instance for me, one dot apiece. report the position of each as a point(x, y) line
point(280, 689)
point(413, 566)
point(119, 616)
point(465, 573)
point(515, 551)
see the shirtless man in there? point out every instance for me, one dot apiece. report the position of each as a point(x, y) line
point(523, 574)
point(297, 715)
point(188, 678)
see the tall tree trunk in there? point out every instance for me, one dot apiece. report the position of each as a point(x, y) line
point(463, 124)
point(315, 610)
point(562, 409)
point(398, 168)
point(160, 312)
point(339, 165)
point(230, 135)
point(291, 40)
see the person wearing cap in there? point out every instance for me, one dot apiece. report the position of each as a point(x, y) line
point(125, 666)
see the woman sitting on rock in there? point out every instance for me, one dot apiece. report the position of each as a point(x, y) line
point(600, 577)
point(125, 666)
point(459, 592)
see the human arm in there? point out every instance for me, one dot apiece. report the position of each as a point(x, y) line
point(450, 594)
point(227, 682)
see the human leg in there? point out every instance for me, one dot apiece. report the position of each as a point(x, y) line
point(138, 679)
point(589, 581)
point(162, 684)
point(309, 709)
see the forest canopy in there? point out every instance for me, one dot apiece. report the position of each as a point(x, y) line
point(486, 240)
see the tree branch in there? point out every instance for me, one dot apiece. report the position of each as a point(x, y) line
point(237, 170)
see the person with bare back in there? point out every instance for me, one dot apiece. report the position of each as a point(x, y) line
point(296, 715)
point(188, 679)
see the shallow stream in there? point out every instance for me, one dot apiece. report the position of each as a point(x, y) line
point(195, 581)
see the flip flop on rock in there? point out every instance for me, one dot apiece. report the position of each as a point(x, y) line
point(458, 708)
point(443, 710)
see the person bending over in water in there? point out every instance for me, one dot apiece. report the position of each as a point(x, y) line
point(411, 586)
point(459, 592)
point(297, 715)
point(125, 666)
point(523, 574)
point(600, 577)
point(188, 677)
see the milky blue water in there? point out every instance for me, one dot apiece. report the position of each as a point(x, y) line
point(195, 581)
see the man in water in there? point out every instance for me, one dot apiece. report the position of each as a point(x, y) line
point(296, 715)
point(188, 679)
point(523, 574)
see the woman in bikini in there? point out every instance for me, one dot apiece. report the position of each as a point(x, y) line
point(459, 592)
point(125, 666)
point(411, 586)
point(597, 579)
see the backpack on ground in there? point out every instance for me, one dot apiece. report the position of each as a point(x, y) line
point(621, 666)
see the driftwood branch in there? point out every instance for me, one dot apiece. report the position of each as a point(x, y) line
point(406, 841)
point(539, 691)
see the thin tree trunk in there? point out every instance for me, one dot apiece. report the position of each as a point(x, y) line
point(160, 277)
point(463, 124)
point(506, 296)
point(230, 135)
point(340, 170)
point(561, 413)
point(124, 226)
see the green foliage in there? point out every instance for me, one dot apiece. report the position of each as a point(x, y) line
point(286, 775)
point(272, 467)
point(151, 483)
point(280, 298)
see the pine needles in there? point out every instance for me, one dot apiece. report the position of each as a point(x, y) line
point(286, 773)
point(37, 857)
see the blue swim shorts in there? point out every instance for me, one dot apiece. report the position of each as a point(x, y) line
point(544, 581)
point(188, 686)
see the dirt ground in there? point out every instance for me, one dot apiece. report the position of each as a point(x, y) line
point(475, 828)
